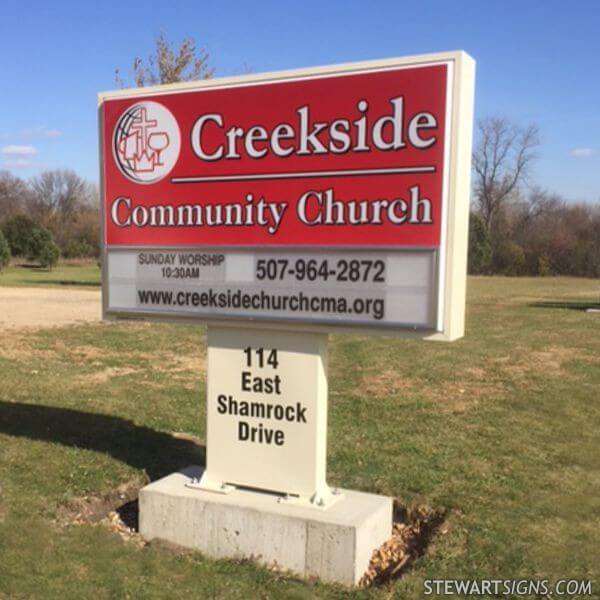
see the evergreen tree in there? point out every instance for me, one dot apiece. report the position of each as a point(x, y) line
point(4, 251)
point(480, 247)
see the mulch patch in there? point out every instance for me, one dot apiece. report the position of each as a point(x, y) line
point(412, 532)
point(117, 510)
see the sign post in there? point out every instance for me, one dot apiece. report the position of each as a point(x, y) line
point(267, 413)
point(278, 208)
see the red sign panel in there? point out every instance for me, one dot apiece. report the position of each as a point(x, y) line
point(350, 160)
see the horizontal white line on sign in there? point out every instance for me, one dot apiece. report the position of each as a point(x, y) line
point(292, 175)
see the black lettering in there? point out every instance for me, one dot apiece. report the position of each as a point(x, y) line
point(300, 413)
point(246, 387)
point(243, 431)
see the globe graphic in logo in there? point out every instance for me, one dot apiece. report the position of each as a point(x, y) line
point(146, 142)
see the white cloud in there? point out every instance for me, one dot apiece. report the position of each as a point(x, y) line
point(42, 132)
point(19, 163)
point(19, 150)
point(582, 152)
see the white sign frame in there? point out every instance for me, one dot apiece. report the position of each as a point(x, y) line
point(451, 292)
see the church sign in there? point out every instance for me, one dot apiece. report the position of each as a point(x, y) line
point(277, 208)
point(324, 199)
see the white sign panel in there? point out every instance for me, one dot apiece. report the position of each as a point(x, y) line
point(267, 412)
point(375, 288)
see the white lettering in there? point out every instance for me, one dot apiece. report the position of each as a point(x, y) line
point(416, 203)
point(197, 137)
point(395, 121)
point(282, 132)
point(114, 211)
point(302, 210)
point(423, 120)
point(256, 134)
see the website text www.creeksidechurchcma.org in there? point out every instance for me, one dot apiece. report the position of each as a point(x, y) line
point(293, 302)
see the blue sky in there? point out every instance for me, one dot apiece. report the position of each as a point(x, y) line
point(537, 62)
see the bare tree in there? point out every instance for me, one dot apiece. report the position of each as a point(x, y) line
point(169, 65)
point(56, 199)
point(540, 202)
point(501, 161)
point(14, 195)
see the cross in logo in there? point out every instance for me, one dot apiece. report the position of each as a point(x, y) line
point(142, 124)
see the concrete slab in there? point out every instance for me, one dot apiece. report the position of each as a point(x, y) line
point(334, 545)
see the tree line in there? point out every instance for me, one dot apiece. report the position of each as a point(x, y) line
point(516, 227)
point(55, 213)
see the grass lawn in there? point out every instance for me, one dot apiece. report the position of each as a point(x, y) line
point(500, 429)
point(66, 273)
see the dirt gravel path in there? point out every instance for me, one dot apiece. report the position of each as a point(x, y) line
point(47, 307)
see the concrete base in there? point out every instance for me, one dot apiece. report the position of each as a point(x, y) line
point(593, 310)
point(334, 545)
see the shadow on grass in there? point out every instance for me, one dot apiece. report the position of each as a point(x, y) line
point(32, 267)
point(566, 305)
point(74, 282)
point(156, 452)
